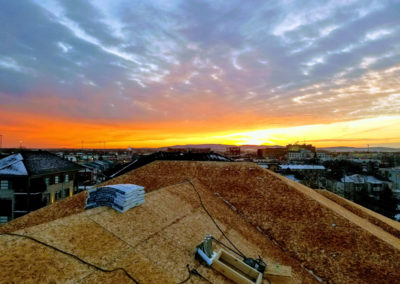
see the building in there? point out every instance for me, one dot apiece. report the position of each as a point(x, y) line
point(301, 168)
point(324, 156)
point(393, 174)
point(300, 152)
point(277, 153)
point(94, 171)
point(30, 180)
point(350, 185)
point(233, 151)
point(298, 147)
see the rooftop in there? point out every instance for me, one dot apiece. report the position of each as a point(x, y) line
point(301, 167)
point(165, 156)
point(35, 163)
point(361, 179)
point(261, 212)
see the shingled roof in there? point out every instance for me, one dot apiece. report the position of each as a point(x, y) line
point(263, 213)
point(35, 163)
point(13, 165)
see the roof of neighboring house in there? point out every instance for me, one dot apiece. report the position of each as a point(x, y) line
point(302, 167)
point(169, 156)
point(292, 177)
point(361, 179)
point(35, 163)
point(261, 212)
point(13, 165)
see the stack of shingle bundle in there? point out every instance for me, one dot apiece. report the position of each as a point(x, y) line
point(121, 197)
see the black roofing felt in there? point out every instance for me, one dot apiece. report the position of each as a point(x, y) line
point(174, 156)
point(43, 162)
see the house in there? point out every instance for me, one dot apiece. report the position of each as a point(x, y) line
point(324, 156)
point(30, 180)
point(233, 151)
point(350, 185)
point(393, 174)
point(272, 153)
point(310, 175)
point(294, 167)
point(301, 154)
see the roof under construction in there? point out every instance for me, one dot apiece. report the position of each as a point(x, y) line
point(321, 236)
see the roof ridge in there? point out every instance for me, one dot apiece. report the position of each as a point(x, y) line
point(345, 213)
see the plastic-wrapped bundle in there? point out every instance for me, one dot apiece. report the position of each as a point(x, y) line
point(121, 197)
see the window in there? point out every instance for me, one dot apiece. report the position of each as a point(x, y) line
point(46, 198)
point(56, 179)
point(47, 181)
point(4, 184)
point(66, 178)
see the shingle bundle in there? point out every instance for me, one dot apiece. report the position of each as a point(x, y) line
point(121, 197)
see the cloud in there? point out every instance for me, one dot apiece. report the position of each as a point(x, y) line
point(11, 65)
point(185, 60)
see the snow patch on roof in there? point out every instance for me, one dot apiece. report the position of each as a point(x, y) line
point(362, 179)
point(302, 167)
point(13, 165)
point(291, 177)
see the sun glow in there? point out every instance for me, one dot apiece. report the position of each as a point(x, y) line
point(43, 131)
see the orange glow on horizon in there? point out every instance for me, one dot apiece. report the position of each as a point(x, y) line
point(38, 131)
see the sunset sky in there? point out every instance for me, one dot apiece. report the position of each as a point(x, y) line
point(159, 73)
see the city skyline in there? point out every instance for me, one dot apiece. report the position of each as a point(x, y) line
point(196, 72)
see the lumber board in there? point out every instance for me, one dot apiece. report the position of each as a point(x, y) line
point(235, 269)
point(278, 274)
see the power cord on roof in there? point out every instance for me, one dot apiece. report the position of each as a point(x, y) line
point(224, 245)
point(73, 256)
point(238, 252)
point(193, 272)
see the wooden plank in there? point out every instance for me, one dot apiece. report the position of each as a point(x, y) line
point(279, 274)
point(235, 269)
point(230, 273)
point(239, 264)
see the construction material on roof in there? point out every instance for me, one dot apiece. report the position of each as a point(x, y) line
point(261, 212)
point(242, 271)
point(154, 243)
point(332, 242)
point(121, 197)
point(234, 269)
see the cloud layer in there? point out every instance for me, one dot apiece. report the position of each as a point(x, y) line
point(234, 65)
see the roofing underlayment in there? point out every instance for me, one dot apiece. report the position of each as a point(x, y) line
point(261, 212)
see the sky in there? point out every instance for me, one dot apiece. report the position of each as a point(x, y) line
point(157, 73)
